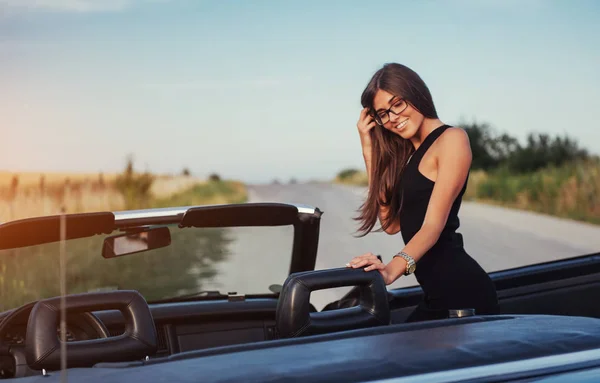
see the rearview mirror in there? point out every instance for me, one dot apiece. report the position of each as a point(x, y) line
point(131, 243)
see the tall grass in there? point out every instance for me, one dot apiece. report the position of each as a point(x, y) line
point(52, 194)
point(569, 191)
point(39, 194)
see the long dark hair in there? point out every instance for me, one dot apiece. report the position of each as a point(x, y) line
point(390, 152)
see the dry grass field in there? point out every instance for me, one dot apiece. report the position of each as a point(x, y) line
point(24, 195)
point(35, 194)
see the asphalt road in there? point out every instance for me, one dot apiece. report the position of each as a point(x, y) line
point(498, 238)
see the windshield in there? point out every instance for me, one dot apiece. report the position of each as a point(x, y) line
point(224, 259)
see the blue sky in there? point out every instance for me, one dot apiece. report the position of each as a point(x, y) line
point(257, 90)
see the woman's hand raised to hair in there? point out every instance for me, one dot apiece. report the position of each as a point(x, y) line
point(365, 124)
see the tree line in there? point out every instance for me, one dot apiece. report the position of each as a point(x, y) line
point(500, 151)
point(492, 150)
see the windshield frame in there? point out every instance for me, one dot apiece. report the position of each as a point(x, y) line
point(304, 219)
point(306, 223)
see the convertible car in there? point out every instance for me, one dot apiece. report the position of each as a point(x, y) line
point(130, 296)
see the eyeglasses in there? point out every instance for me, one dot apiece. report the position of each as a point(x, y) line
point(383, 116)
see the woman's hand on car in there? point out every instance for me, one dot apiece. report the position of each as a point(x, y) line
point(371, 262)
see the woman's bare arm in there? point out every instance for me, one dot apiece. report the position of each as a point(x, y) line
point(453, 163)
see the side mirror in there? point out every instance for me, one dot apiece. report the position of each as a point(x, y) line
point(131, 243)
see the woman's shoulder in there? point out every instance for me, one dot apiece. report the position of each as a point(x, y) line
point(454, 137)
point(454, 140)
point(455, 133)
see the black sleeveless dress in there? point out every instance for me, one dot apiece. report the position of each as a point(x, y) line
point(449, 277)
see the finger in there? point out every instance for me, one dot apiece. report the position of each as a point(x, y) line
point(358, 264)
point(362, 263)
point(364, 112)
point(365, 116)
point(361, 257)
point(367, 127)
point(371, 257)
point(375, 266)
point(353, 262)
point(361, 118)
point(366, 259)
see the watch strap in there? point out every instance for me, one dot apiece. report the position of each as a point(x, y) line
point(410, 262)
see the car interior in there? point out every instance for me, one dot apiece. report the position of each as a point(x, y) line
point(546, 309)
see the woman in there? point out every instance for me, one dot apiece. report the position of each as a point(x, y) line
point(418, 169)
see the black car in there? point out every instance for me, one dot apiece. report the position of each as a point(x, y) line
point(136, 308)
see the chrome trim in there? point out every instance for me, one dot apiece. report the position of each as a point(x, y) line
point(304, 209)
point(499, 369)
point(167, 212)
point(174, 214)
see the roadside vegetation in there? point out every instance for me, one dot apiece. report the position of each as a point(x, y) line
point(212, 192)
point(550, 175)
point(32, 273)
point(569, 191)
point(36, 194)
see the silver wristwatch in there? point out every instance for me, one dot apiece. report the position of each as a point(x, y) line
point(410, 262)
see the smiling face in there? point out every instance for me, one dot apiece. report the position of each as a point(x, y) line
point(397, 115)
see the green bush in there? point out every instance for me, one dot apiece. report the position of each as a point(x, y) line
point(207, 193)
point(346, 174)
